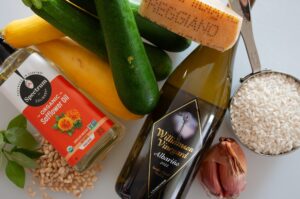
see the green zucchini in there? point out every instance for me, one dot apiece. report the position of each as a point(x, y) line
point(160, 71)
point(86, 30)
point(152, 32)
point(133, 76)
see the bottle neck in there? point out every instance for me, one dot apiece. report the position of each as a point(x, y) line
point(12, 63)
point(206, 73)
point(5, 52)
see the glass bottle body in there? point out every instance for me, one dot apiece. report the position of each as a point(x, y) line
point(99, 144)
point(163, 167)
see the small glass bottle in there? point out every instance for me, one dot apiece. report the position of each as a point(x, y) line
point(75, 127)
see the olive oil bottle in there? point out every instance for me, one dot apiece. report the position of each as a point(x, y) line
point(167, 152)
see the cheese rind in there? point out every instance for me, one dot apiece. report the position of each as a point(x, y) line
point(207, 22)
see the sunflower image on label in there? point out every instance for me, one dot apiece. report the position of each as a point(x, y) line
point(173, 144)
point(62, 115)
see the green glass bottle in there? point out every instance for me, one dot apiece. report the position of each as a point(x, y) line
point(167, 152)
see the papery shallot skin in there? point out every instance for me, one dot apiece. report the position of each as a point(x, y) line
point(224, 168)
point(209, 177)
point(232, 184)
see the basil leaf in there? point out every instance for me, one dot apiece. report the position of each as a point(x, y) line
point(22, 160)
point(19, 121)
point(1, 139)
point(15, 173)
point(29, 153)
point(21, 138)
point(4, 138)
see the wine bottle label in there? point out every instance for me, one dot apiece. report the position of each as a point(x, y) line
point(66, 118)
point(175, 138)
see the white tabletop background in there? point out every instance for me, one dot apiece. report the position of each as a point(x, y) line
point(277, 32)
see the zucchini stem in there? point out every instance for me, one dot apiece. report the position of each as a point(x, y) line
point(38, 4)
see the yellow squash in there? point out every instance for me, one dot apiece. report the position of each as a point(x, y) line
point(88, 72)
point(25, 32)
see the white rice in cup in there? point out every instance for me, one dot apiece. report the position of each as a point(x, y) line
point(265, 113)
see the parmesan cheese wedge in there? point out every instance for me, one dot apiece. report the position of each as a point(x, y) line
point(209, 22)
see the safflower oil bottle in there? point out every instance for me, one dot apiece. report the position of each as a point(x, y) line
point(75, 127)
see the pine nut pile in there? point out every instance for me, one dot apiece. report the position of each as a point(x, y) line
point(54, 173)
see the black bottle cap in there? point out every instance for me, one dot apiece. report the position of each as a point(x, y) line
point(5, 50)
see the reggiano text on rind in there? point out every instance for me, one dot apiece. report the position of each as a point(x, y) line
point(208, 22)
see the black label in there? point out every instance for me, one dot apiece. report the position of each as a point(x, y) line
point(173, 142)
point(35, 90)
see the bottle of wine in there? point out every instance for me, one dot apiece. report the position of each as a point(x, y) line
point(168, 150)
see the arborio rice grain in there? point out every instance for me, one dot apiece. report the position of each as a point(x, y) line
point(265, 114)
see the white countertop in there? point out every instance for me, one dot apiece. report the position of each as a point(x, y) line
point(277, 32)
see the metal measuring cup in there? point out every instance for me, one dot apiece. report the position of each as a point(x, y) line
point(242, 7)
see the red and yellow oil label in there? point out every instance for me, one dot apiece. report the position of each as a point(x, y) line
point(62, 115)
